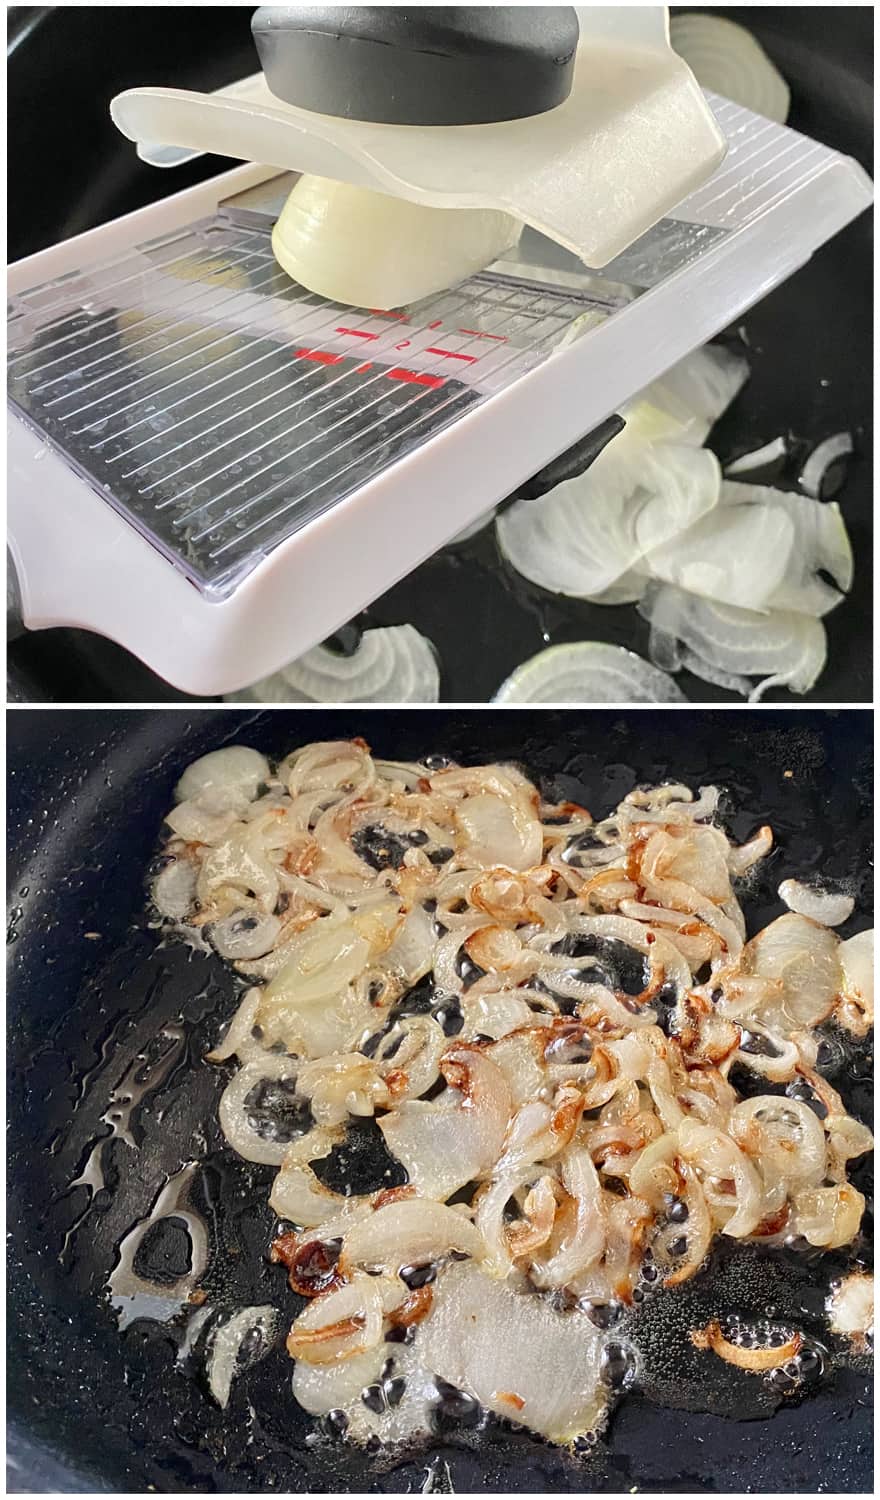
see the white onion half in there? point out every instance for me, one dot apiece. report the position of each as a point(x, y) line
point(369, 249)
point(588, 672)
point(393, 664)
point(785, 648)
point(727, 59)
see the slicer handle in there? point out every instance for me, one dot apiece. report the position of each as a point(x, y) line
point(426, 65)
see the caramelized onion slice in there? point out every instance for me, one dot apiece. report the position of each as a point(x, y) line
point(754, 1360)
point(445, 1144)
point(341, 1323)
point(411, 1231)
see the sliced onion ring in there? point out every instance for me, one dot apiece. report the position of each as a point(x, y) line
point(588, 672)
point(783, 647)
point(391, 665)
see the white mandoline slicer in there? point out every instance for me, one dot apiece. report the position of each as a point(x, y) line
point(217, 468)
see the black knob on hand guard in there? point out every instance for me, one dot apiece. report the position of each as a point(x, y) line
point(430, 65)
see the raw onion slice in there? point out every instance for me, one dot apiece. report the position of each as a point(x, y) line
point(369, 249)
point(766, 460)
point(707, 671)
point(685, 403)
point(590, 531)
point(788, 649)
point(515, 1354)
point(824, 458)
point(627, 589)
point(727, 59)
point(393, 664)
point(737, 554)
point(828, 907)
point(588, 672)
point(821, 542)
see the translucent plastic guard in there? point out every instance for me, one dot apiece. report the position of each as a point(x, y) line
point(220, 407)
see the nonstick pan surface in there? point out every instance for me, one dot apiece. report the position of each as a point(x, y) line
point(810, 341)
point(89, 986)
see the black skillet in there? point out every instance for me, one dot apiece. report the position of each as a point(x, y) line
point(810, 341)
point(89, 987)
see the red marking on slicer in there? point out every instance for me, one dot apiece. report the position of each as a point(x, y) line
point(357, 333)
point(469, 359)
point(412, 378)
point(319, 356)
point(498, 338)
